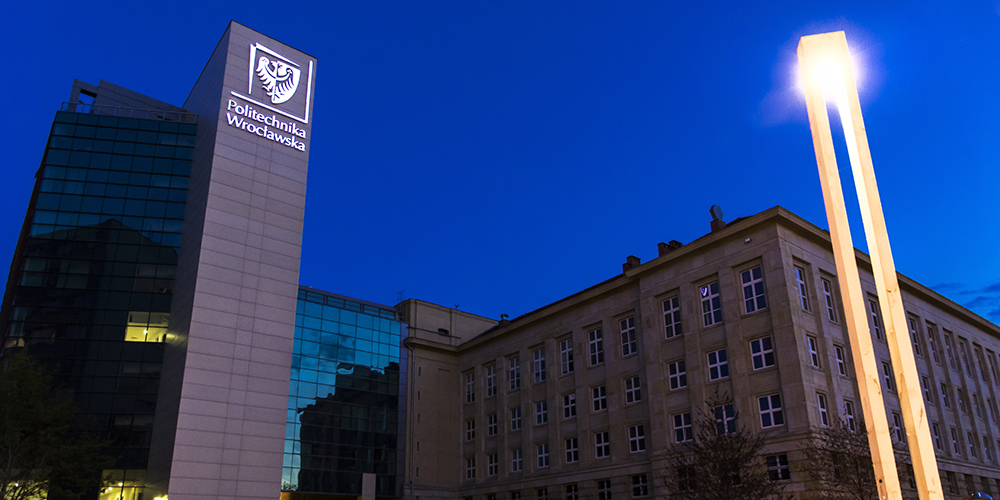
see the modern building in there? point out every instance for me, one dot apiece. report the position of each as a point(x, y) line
point(588, 397)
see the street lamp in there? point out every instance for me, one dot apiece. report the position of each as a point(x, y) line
point(824, 65)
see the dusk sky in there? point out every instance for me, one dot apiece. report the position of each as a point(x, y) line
point(499, 156)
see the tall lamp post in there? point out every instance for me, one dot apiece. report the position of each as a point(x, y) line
point(825, 68)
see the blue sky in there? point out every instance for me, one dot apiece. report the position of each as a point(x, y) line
point(502, 155)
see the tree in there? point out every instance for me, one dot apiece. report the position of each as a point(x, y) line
point(39, 456)
point(841, 463)
point(724, 461)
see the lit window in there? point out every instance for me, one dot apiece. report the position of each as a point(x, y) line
point(762, 353)
point(636, 439)
point(718, 365)
point(725, 419)
point(539, 365)
point(831, 307)
point(491, 424)
point(596, 347)
point(813, 346)
point(630, 345)
point(753, 290)
point(470, 387)
point(633, 393)
point(572, 450)
point(602, 445)
point(569, 405)
point(777, 467)
point(515, 419)
point(146, 326)
point(824, 415)
point(516, 460)
point(770, 411)
point(543, 455)
point(683, 431)
point(514, 373)
point(640, 486)
point(800, 284)
point(876, 316)
point(677, 374)
point(491, 381)
point(672, 316)
point(541, 412)
point(566, 356)
point(600, 398)
point(841, 360)
point(711, 304)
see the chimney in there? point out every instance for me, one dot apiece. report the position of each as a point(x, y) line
point(717, 222)
point(665, 248)
point(630, 262)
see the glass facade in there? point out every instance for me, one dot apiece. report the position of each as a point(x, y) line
point(91, 282)
point(345, 405)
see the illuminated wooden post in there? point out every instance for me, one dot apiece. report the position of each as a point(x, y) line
point(828, 53)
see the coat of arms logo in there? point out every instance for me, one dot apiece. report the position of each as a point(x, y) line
point(279, 78)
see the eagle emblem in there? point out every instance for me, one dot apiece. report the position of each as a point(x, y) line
point(279, 79)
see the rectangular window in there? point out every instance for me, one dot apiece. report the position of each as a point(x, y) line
point(962, 403)
point(915, 337)
point(956, 443)
point(633, 393)
point(514, 373)
point(604, 489)
point(725, 419)
point(492, 465)
point(470, 468)
point(683, 431)
point(993, 368)
point(770, 411)
point(602, 445)
point(753, 290)
point(926, 384)
point(636, 439)
point(596, 347)
point(897, 428)
point(936, 433)
point(993, 409)
point(542, 494)
point(841, 360)
point(515, 419)
point(491, 381)
point(539, 365)
point(800, 285)
point(952, 482)
point(813, 346)
point(491, 424)
point(543, 455)
point(978, 354)
point(849, 415)
point(945, 400)
point(672, 317)
point(470, 430)
point(600, 398)
point(831, 307)
point(569, 405)
point(711, 304)
point(890, 381)
point(572, 492)
point(541, 412)
point(987, 450)
point(972, 445)
point(678, 375)
point(470, 387)
point(949, 351)
point(932, 344)
point(516, 460)
point(976, 405)
point(777, 467)
point(572, 450)
point(876, 316)
point(630, 344)
point(824, 415)
point(566, 356)
point(718, 365)
point(640, 486)
point(963, 349)
point(762, 353)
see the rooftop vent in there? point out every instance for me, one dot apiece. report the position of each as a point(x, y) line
point(717, 222)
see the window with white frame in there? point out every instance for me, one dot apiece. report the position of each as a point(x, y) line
point(677, 374)
point(964, 351)
point(915, 337)
point(516, 460)
point(777, 467)
point(604, 489)
point(470, 430)
point(542, 455)
point(831, 305)
point(800, 285)
point(569, 405)
point(936, 434)
point(491, 381)
point(876, 317)
point(492, 465)
point(542, 494)
point(949, 351)
point(849, 415)
point(770, 411)
point(725, 419)
point(926, 384)
point(956, 443)
point(813, 346)
point(718, 365)
point(515, 419)
point(897, 428)
point(890, 381)
point(491, 424)
point(753, 290)
point(602, 445)
point(633, 392)
point(470, 468)
point(972, 445)
point(683, 430)
point(470, 387)
point(572, 450)
point(762, 353)
point(572, 492)
point(541, 412)
point(600, 398)
point(824, 414)
point(630, 344)
point(640, 486)
point(539, 365)
point(566, 356)
point(636, 438)
point(932, 345)
point(514, 373)
point(711, 304)
point(841, 360)
point(672, 317)
point(945, 400)
point(596, 347)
